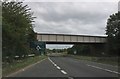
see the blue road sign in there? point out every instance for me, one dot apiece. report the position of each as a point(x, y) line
point(40, 46)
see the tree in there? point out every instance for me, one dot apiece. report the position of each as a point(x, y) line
point(80, 49)
point(113, 32)
point(16, 28)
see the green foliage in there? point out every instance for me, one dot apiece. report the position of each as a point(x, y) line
point(113, 32)
point(80, 49)
point(17, 29)
point(20, 64)
point(57, 50)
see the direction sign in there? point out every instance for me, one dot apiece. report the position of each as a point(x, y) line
point(40, 46)
point(34, 44)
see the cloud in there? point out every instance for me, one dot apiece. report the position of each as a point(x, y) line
point(71, 17)
point(119, 6)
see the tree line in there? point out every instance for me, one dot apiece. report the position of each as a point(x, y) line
point(112, 46)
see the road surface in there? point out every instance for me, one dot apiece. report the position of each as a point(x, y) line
point(68, 67)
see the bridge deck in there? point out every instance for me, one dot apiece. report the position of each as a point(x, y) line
point(64, 38)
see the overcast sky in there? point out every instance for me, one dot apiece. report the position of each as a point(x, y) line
point(81, 18)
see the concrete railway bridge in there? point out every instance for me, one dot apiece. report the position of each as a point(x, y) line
point(97, 43)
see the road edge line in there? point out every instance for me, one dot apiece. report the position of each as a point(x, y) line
point(103, 69)
point(23, 69)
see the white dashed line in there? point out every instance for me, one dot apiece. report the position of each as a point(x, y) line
point(104, 69)
point(57, 66)
point(63, 72)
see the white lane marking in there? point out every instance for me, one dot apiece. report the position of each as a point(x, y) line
point(104, 69)
point(63, 72)
point(55, 65)
point(51, 61)
point(58, 67)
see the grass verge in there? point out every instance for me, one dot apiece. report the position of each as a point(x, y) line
point(104, 60)
point(13, 67)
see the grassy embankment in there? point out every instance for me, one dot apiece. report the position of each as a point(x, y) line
point(104, 60)
point(13, 67)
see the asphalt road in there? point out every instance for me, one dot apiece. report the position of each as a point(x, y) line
point(68, 67)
